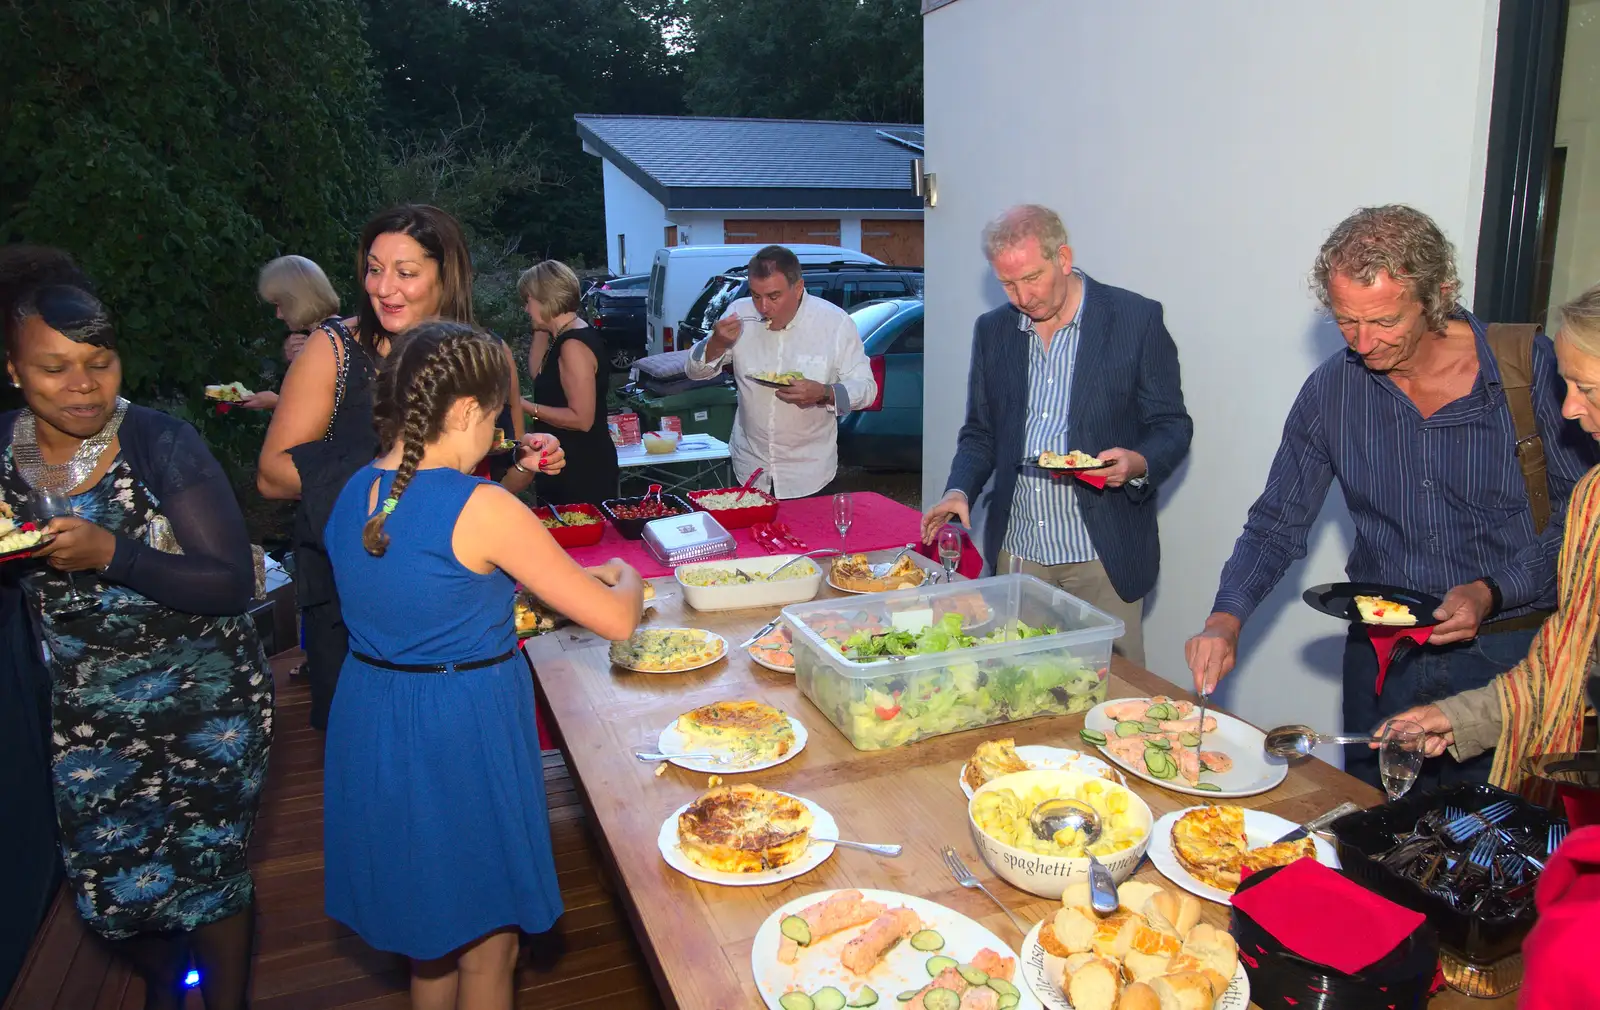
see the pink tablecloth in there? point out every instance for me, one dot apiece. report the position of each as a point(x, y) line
point(878, 524)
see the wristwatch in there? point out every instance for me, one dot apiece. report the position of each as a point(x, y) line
point(1139, 481)
point(1496, 599)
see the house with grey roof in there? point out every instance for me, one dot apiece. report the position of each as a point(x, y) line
point(693, 180)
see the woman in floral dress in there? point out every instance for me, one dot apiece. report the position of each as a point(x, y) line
point(161, 704)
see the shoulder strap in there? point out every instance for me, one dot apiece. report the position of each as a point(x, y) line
point(343, 346)
point(1512, 344)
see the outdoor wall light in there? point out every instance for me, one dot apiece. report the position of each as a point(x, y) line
point(924, 184)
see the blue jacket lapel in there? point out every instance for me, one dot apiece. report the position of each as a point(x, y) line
point(1093, 347)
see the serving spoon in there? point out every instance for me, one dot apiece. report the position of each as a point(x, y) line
point(1296, 741)
point(1058, 814)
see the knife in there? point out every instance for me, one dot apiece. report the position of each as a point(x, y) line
point(1200, 730)
point(1319, 823)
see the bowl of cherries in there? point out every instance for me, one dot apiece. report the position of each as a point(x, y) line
point(629, 515)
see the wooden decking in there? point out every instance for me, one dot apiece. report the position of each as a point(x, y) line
point(305, 961)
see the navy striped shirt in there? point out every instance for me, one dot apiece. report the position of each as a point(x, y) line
point(1046, 522)
point(1436, 502)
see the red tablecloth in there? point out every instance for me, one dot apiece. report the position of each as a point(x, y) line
point(878, 523)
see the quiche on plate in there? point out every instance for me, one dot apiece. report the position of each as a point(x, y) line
point(1377, 610)
point(750, 729)
point(228, 392)
point(668, 650)
point(1210, 842)
point(858, 575)
point(744, 829)
point(1077, 459)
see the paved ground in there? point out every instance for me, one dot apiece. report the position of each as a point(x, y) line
point(904, 487)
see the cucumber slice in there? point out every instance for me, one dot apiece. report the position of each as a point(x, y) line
point(941, 999)
point(1093, 736)
point(926, 939)
point(938, 963)
point(798, 1001)
point(1161, 712)
point(1008, 1001)
point(908, 995)
point(973, 974)
point(866, 997)
point(1003, 987)
point(1189, 739)
point(1159, 743)
point(1210, 787)
point(1149, 725)
point(796, 929)
point(1159, 765)
point(827, 998)
point(1129, 728)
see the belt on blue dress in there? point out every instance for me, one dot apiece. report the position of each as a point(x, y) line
point(476, 664)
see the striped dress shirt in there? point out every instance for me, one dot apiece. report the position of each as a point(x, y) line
point(1046, 522)
point(1436, 502)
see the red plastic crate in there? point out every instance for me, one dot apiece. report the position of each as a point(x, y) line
point(740, 518)
point(575, 536)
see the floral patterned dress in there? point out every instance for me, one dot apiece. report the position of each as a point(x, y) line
point(160, 723)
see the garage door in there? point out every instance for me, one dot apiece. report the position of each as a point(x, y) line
point(778, 232)
point(898, 243)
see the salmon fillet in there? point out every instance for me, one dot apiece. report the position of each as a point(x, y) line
point(1188, 725)
point(948, 979)
point(862, 954)
point(840, 910)
point(980, 997)
point(994, 965)
point(1128, 711)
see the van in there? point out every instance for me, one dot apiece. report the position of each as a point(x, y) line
point(679, 273)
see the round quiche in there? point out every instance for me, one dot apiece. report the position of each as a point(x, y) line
point(744, 829)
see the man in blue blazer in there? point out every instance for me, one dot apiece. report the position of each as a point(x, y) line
point(1070, 363)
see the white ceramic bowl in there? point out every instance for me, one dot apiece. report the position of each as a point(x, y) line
point(745, 595)
point(660, 442)
point(1048, 876)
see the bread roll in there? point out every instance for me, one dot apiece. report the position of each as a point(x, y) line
point(1077, 895)
point(1139, 996)
point(1150, 951)
point(1077, 961)
point(1188, 990)
point(1188, 962)
point(1213, 948)
point(1133, 894)
point(1095, 986)
point(1173, 913)
point(1114, 933)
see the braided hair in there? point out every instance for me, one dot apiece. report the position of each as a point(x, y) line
point(429, 368)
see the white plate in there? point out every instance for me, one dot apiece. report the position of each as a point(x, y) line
point(815, 854)
point(1040, 756)
point(879, 570)
point(1254, 771)
point(1260, 828)
point(1043, 974)
point(673, 742)
point(688, 669)
point(774, 667)
point(903, 968)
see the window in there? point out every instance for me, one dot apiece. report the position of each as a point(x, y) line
point(910, 341)
point(865, 289)
point(622, 253)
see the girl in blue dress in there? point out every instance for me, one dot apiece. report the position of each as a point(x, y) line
point(436, 835)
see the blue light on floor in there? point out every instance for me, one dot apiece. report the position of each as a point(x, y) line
point(192, 979)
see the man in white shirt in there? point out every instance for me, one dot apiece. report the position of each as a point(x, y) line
point(790, 433)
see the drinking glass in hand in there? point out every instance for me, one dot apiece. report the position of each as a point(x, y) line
point(843, 510)
point(1400, 756)
point(949, 551)
point(45, 506)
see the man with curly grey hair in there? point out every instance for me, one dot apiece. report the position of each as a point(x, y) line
point(1448, 442)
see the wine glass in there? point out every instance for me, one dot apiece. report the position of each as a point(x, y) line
point(843, 511)
point(1013, 565)
point(1400, 753)
point(45, 506)
point(949, 551)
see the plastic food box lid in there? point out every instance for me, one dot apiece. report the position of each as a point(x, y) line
point(693, 536)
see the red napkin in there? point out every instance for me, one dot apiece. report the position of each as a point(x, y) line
point(1352, 927)
point(1093, 480)
point(223, 408)
point(1384, 638)
point(1558, 954)
point(1582, 804)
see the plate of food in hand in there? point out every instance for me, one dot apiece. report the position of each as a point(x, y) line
point(228, 392)
point(19, 541)
point(775, 380)
point(995, 758)
point(858, 948)
point(1374, 603)
point(668, 650)
point(853, 573)
point(1066, 462)
point(1152, 953)
point(775, 649)
point(501, 443)
point(747, 735)
point(1205, 850)
point(743, 835)
point(1162, 741)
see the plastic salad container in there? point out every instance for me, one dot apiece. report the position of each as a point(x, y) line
point(955, 656)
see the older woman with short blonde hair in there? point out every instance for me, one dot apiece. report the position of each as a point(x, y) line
point(571, 376)
point(302, 297)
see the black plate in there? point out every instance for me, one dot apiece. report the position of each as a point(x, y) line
point(1338, 599)
point(1031, 466)
point(769, 383)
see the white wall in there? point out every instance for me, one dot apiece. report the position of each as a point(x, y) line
point(632, 212)
point(1577, 265)
point(1201, 154)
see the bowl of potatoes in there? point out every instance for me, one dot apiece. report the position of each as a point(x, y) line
point(998, 815)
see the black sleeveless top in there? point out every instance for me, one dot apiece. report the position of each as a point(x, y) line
point(591, 471)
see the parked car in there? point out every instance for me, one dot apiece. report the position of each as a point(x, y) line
point(846, 285)
point(678, 275)
point(616, 311)
point(888, 435)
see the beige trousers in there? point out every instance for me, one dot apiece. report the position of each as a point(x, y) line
point(1087, 580)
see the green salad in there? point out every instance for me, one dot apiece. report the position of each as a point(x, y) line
point(900, 707)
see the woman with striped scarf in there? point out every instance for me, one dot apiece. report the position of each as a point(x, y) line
point(1538, 706)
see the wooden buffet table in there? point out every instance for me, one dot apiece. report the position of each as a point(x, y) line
point(698, 936)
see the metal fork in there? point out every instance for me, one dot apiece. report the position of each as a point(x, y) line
point(720, 759)
point(966, 879)
point(1554, 837)
point(1470, 826)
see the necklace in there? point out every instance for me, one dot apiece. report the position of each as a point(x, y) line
point(42, 476)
